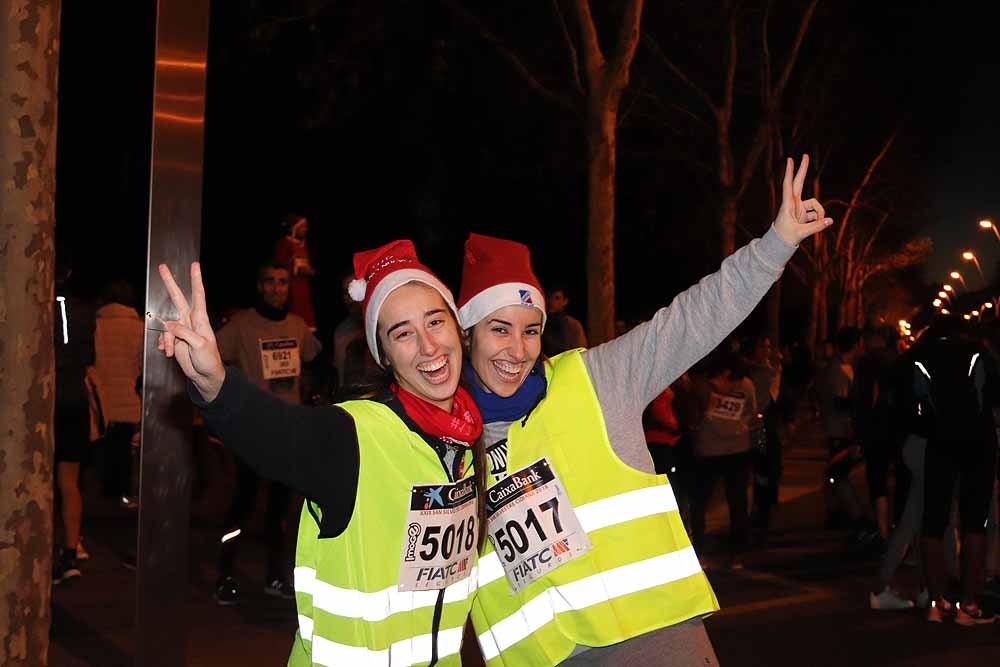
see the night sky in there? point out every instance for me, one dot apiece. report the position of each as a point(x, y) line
point(387, 120)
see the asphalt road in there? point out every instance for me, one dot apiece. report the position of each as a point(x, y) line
point(801, 600)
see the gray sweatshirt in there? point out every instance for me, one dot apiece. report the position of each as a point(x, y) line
point(633, 369)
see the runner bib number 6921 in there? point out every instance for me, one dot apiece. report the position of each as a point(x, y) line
point(532, 524)
point(279, 358)
point(440, 540)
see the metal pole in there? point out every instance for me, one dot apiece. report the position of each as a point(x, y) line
point(175, 194)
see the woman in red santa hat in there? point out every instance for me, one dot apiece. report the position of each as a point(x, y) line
point(387, 547)
point(590, 563)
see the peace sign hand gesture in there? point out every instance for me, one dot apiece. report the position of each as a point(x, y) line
point(190, 339)
point(797, 220)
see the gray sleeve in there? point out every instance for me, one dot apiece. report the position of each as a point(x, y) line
point(631, 370)
point(225, 338)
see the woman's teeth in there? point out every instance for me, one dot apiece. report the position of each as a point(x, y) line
point(435, 370)
point(507, 370)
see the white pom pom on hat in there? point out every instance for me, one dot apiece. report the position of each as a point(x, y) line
point(356, 289)
point(380, 271)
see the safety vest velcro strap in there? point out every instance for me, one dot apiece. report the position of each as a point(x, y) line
point(599, 514)
point(416, 650)
point(585, 592)
point(377, 605)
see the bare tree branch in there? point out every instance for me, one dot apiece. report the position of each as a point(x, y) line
point(593, 58)
point(561, 100)
point(574, 57)
point(772, 101)
point(726, 110)
point(654, 47)
point(861, 187)
point(793, 55)
point(628, 39)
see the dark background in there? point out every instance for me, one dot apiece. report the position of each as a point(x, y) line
point(382, 120)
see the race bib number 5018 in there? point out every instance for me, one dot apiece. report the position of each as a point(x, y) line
point(532, 524)
point(440, 540)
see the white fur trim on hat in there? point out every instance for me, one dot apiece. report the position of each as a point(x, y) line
point(356, 289)
point(385, 287)
point(497, 297)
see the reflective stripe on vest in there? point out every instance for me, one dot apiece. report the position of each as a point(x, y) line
point(379, 605)
point(350, 611)
point(407, 652)
point(642, 573)
point(583, 593)
point(596, 515)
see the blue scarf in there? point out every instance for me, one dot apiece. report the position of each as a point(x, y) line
point(495, 408)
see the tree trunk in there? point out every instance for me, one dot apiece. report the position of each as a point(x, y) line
point(772, 305)
point(601, 121)
point(823, 329)
point(727, 192)
point(812, 332)
point(28, 71)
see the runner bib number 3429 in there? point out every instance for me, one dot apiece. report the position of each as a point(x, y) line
point(532, 524)
point(440, 540)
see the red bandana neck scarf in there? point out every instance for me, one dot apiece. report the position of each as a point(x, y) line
point(462, 426)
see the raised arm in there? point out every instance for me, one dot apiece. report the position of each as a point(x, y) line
point(313, 450)
point(633, 369)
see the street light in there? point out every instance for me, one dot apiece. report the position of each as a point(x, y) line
point(986, 223)
point(970, 257)
point(943, 295)
point(955, 275)
point(967, 316)
point(945, 311)
point(936, 303)
point(975, 313)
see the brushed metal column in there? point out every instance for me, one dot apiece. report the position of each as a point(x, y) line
point(175, 194)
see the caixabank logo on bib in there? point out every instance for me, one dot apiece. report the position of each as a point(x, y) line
point(554, 551)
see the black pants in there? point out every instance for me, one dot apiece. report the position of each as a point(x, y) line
point(970, 462)
point(767, 469)
point(734, 469)
point(244, 502)
point(117, 470)
point(677, 463)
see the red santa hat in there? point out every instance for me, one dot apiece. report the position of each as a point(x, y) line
point(496, 273)
point(380, 271)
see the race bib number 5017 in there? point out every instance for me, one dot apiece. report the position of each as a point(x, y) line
point(532, 524)
point(440, 540)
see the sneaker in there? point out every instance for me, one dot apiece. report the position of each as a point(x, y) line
point(888, 600)
point(81, 553)
point(280, 588)
point(924, 599)
point(227, 593)
point(973, 615)
point(938, 610)
point(65, 569)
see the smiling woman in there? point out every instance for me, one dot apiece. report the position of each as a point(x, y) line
point(387, 550)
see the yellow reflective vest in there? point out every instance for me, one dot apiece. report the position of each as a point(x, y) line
point(641, 574)
point(349, 607)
